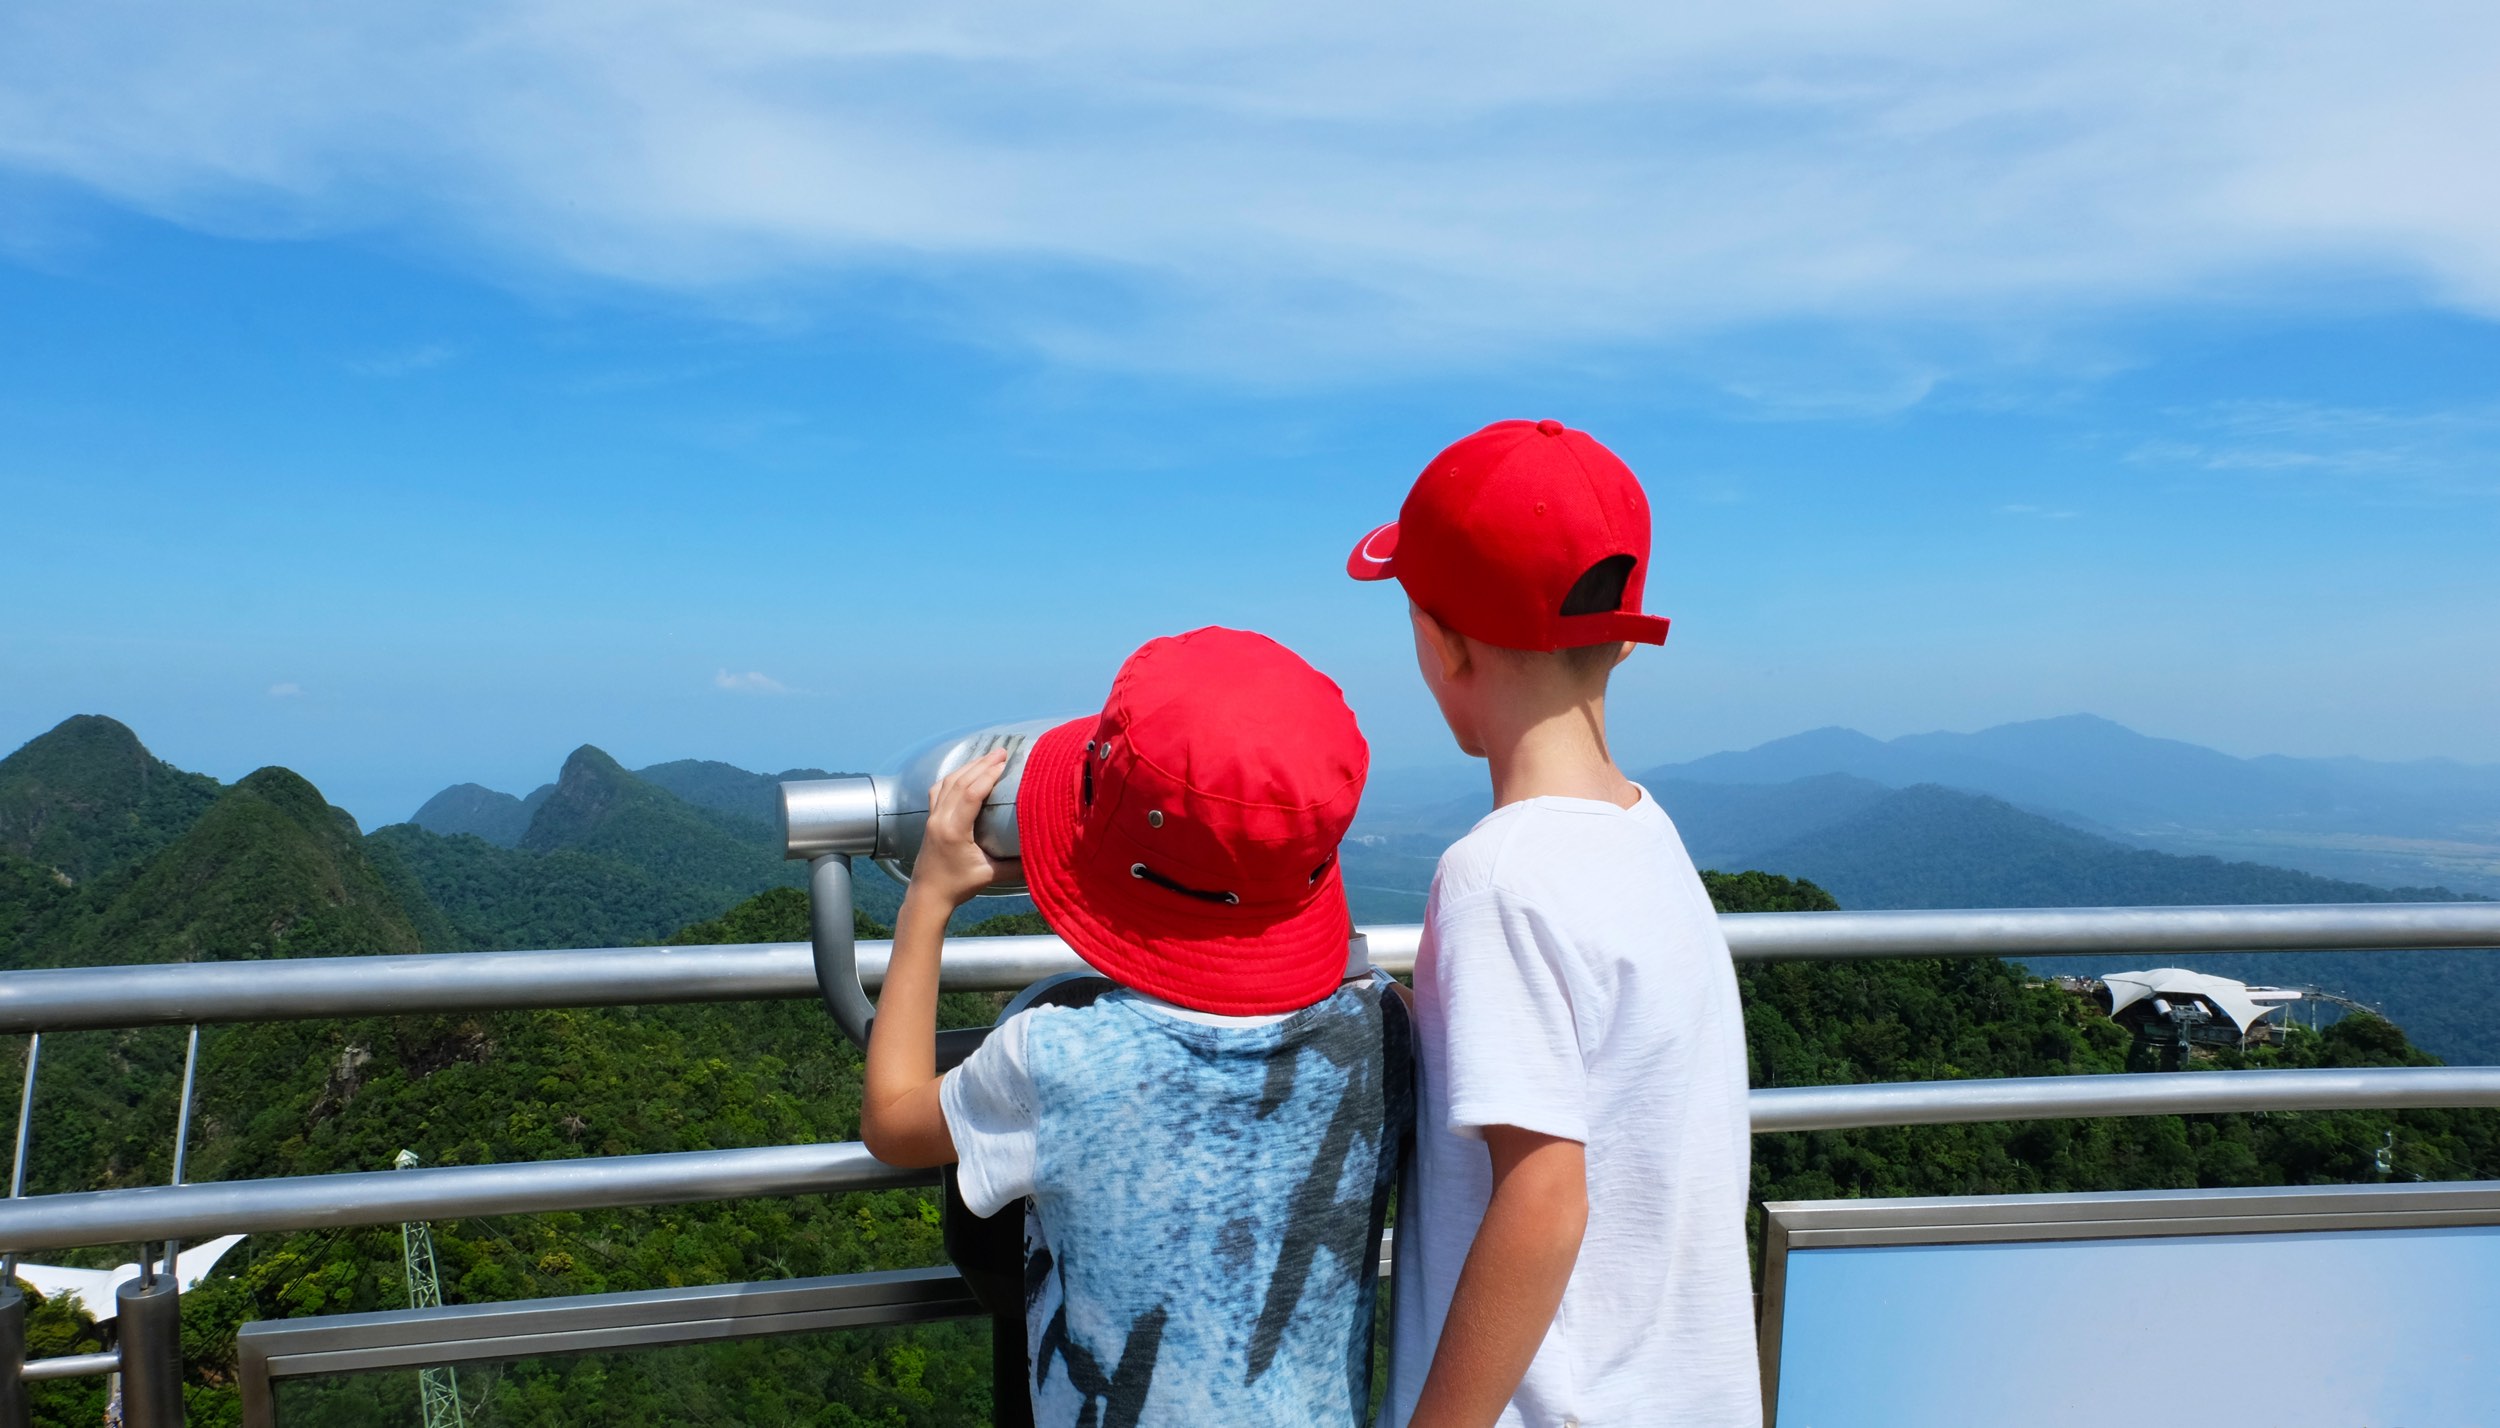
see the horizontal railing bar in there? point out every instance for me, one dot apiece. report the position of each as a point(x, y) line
point(630, 1337)
point(294, 989)
point(2088, 931)
point(2042, 1098)
point(2211, 1203)
point(524, 1328)
point(203, 1211)
point(87, 998)
point(70, 1366)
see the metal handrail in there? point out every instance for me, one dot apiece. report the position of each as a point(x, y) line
point(206, 1209)
point(2178, 1093)
point(92, 998)
point(70, 1366)
point(576, 1323)
point(2087, 931)
point(202, 1211)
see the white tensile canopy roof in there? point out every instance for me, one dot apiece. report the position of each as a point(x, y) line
point(95, 1288)
point(2245, 1006)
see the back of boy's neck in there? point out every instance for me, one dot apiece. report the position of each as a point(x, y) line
point(1557, 761)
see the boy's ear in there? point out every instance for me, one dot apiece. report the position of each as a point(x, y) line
point(1447, 646)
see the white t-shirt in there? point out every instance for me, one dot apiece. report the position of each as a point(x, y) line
point(1573, 981)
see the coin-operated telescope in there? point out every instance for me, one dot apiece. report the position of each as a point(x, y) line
point(830, 821)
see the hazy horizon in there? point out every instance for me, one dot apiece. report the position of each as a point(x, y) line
point(519, 779)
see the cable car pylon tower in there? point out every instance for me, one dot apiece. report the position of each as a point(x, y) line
point(438, 1389)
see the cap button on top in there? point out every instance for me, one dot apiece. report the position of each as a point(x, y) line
point(1550, 427)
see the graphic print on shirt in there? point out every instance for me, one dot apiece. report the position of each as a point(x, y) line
point(1205, 1249)
point(1110, 1400)
point(1318, 1214)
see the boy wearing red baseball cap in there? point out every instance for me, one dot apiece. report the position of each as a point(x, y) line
point(1205, 1156)
point(1572, 1249)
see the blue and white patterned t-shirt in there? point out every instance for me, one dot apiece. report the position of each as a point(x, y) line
point(1203, 1201)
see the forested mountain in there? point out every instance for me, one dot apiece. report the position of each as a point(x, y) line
point(262, 869)
point(726, 788)
point(605, 857)
point(503, 820)
point(86, 797)
point(607, 860)
point(481, 812)
point(494, 898)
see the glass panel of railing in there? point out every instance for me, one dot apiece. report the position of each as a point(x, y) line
point(933, 1374)
point(2308, 1307)
point(725, 1353)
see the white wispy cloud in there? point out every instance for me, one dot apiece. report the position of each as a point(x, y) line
point(2442, 452)
point(750, 682)
point(1280, 189)
point(286, 690)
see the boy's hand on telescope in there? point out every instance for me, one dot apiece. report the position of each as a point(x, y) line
point(952, 867)
point(900, 1116)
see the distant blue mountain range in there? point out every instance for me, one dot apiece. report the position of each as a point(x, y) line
point(2432, 821)
point(2071, 812)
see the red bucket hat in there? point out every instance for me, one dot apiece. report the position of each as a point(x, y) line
point(1503, 527)
point(1184, 841)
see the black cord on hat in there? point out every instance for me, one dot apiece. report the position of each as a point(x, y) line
point(1140, 870)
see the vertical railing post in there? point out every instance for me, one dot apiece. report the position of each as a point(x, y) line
point(149, 1317)
point(13, 1406)
point(13, 1409)
point(25, 1131)
point(182, 1118)
point(182, 1137)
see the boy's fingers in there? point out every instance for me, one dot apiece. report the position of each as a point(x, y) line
point(982, 774)
point(956, 798)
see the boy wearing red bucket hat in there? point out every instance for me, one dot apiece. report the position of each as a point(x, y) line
point(1205, 1155)
point(1572, 1248)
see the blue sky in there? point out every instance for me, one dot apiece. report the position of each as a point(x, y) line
point(408, 397)
point(2375, 1329)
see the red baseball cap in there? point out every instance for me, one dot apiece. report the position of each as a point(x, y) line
point(1503, 529)
point(1184, 841)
